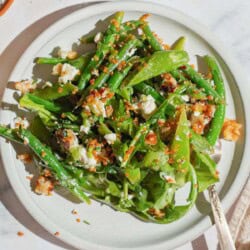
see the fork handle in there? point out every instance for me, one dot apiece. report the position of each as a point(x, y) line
point(224, 235)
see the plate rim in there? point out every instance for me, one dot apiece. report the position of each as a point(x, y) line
point(202, 31)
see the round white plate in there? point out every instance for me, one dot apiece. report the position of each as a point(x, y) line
point(109, 229)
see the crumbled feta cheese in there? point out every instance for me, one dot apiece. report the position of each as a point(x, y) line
point(98, 108)
point(197, 113)
point(68, 73)
point(131, 52)
point(85, 128)
point(67, 54)
point(110, 138)
point(95, 72)
point(57, 69)
point(25, 86)
point(147, 104)
point(98, 37)
point(88, 161)
point(19, 122)
point(185, 98)
point(44, 186)
point(62, 53)
point(140, 32)
point(120, 158)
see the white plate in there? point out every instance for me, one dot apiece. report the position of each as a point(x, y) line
point(109, 229)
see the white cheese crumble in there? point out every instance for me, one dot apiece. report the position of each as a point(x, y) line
point(88, 161)
point(98, 37)
point(98, 108)
point(85, 128)
point(68, 73)
point(147, 104)
point(57, 69)
point(62, 53)
point(19, 122)
point(110, 138)
point(25, 86)
point(131, 52)
point(185, 98)
point(197, 113)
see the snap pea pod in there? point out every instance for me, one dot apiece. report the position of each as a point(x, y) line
point(181, 149)
point(179, 44)
point(146, 89)
point(50, 106)
point(195, 77)
point(45, 114)
point(102, 49)
point(47, 156)
point(158, 63)
point(157, 47)
point(56, 91)
point(219, 115)
point(200, 143)
point(123, 55)
point(151, 38)
point(78, 63)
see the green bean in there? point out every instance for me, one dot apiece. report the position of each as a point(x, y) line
point(9, 134)
point(178, 75)
point(50, 60)
point(195, 77)
point(179, 44)
point(61, 174)
point(78, 63)
point(151, 38)
point(123, 55)
point(51, 106)
point(219, 115)
point(102, 49)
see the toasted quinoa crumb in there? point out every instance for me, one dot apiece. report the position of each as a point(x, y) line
point(78, 220)
point(74, 211)
point(20, 233)
point(29, 177)
point(26, 158)
point(60, 90)
point(56, 233)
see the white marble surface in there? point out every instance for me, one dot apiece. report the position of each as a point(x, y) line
point(228, 19)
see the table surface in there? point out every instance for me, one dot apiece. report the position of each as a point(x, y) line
point(228, 19)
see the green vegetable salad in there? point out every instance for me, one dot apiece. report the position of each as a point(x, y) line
point(127, 124)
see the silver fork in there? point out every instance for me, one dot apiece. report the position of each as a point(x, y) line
point(224, 236)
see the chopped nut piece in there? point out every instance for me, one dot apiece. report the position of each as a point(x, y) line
point(74, 211)
point(56, 233)
point(44, 186)
point(156, 212)
point(25, 158)
point(231, 130)
point(151, 138)
point(20, 233)
point(25, 86)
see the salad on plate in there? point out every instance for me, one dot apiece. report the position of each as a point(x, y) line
point(128, 124)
